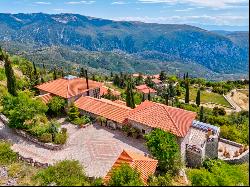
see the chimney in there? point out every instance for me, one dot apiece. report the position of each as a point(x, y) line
point(87, 81)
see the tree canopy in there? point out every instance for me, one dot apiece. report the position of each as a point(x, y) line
point(163, 145)
point(124, 175)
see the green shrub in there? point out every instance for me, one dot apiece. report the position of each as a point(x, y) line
point(56, 105)
point(164, 146)
point(125, 176)
point(61, 138)
point(219, 173)
point(46, 138)
point(161, 180)
point(7, 156)
point(65, 173)
point(22, 108)
point(135, 132)
point(15, 169)
point(73, 113)
point(38, 129)
point(64, 130)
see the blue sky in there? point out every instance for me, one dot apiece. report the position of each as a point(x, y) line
point(195, 12)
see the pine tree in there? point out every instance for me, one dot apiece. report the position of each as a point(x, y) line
point(11, 79)
point(198, 98)
point(187, 90)
point(130, 94)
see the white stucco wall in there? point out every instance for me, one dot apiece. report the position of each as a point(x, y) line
point(182, 143)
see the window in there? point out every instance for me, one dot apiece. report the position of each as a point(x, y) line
point(143, 131)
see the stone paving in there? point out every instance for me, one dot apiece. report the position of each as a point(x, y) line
point(95, 147)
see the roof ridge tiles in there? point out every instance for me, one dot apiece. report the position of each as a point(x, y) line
point(177, 128)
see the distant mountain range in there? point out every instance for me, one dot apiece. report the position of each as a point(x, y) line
point(106, 45)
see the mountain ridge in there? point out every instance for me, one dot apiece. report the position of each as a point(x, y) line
point(154, 43)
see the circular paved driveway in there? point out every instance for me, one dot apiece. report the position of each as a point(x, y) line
point(95, 147)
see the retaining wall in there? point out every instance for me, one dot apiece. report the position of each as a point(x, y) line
point(244, 157)
point(25, 135)
point(35, 140)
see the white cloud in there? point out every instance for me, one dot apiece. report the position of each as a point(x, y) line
point(209, 20)
point(42, 3)
point(118, 3)
point(205, 3)
point(80, 2)
point(184, 10)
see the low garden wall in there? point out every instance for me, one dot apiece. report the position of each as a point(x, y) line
point(32, 162)
point(25, 135)
point(35, 140)
point(244, 157)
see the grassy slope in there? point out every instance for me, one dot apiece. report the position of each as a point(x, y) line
point(207, 97)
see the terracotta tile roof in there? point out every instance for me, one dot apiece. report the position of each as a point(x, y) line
point(145, 89)
point(67, 88)
point(103, 107)
point(104, 90)
point(120, 102)
point(156, 115)
point(156, 81)
point(156, 76)
point(144, 165)
point(45, 98)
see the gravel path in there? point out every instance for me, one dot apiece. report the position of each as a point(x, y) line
point(95, 147)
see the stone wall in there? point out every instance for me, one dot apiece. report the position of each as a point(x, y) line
point(211, 147)
point(194, 156)
point(244, 157)
point(25, 135)
point(32, 162)
point(35, 140)
point(4, 119)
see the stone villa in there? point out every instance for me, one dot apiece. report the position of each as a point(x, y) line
point(197, 140)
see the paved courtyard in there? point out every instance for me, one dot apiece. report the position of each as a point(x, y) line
point(95, 147)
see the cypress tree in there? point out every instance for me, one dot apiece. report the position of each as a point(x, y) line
point(198, 98)
point(62, 73)
point(187, 91)
point(187, 75)
point(130, 94)
point(42, 79)
point(163, 76)
point(11, 79)
point(149, 95)
point(82, 73)
point(201, 114)
point(35, 74)
point(54, 74)
point(166, 99)
point(184, 76)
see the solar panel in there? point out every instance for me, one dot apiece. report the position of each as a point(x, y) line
point(205, 126)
